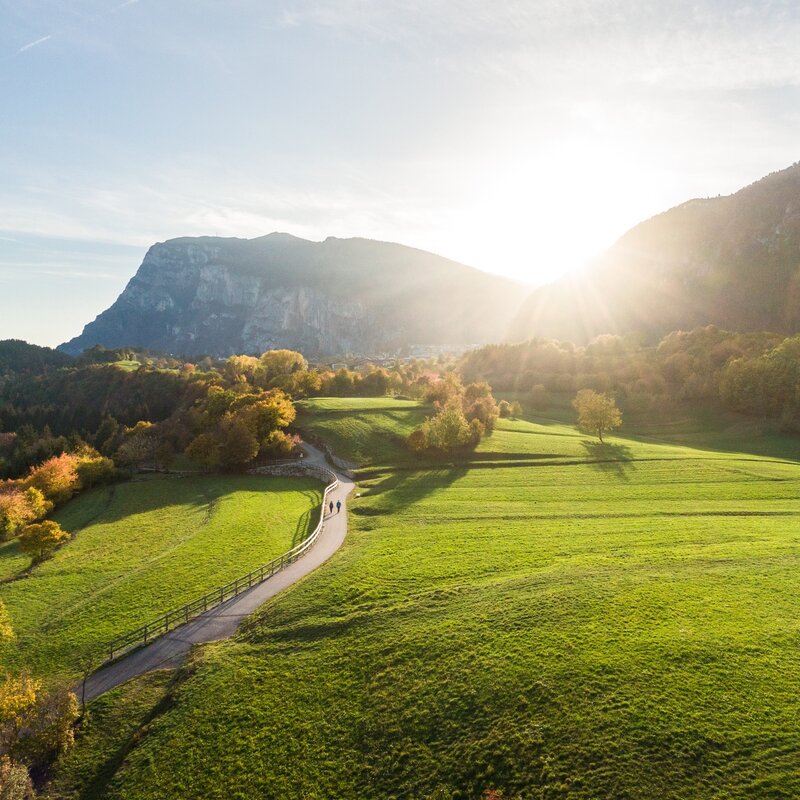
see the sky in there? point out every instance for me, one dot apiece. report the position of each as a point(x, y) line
point(520, 137)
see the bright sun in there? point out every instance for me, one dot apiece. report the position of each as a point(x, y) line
point(548, 214)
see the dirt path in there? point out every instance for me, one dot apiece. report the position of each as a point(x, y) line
point(222, 621)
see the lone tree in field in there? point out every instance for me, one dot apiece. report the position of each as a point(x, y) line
point(41, 539)
point(597, 413)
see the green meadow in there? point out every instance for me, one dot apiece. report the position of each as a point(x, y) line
point(139, 549)
point(552, 619)
point(362, 430)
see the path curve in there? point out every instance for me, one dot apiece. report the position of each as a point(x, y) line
point(221, 622)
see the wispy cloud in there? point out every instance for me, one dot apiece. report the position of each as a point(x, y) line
point(35, 43)
point(85, 21)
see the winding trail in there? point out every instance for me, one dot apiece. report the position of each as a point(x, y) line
point(221, 622)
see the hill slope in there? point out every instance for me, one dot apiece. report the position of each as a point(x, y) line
point(730, 261)
point(619, 621)
point(222, 296)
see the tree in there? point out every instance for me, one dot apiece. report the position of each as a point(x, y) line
point(238, 445)
point(204, 450)
point(94, 468)
point(34, 725)
point(275, 363)
point(597, 412)
point(57, 478)
point(42, 538)
point(15, 512)
point(484, 409)
point(279, 445)
point(449, 429)
point(38, 504)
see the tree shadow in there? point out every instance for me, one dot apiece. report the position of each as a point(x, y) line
point(614, 459)
point(400, 489)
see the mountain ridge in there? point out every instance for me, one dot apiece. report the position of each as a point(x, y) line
point(731, 261)
point(224, 295)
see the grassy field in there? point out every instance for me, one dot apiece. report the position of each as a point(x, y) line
point(553, 622)
point(363, 430)
point(139, 549)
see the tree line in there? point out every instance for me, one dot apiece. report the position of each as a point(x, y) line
point(751, 373)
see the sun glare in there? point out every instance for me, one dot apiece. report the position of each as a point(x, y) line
point(547, 214)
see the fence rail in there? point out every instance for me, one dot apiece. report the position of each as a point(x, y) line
point(180, 616)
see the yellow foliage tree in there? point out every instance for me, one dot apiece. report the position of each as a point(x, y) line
point(35, 725)
point(597, 412)
point(42, 538)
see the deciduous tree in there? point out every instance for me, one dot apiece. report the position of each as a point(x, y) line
point(597, 412)
point(42, 538)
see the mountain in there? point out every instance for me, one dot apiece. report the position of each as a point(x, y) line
point(729, 261)
point(219, 296)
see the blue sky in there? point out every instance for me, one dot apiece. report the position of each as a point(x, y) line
point(519, 137)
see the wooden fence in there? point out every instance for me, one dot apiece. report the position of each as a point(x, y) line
point(180, 616)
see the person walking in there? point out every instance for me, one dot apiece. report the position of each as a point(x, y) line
point(331, 506)
point(338, 506)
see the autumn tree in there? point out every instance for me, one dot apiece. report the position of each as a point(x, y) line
point(597, 412)
point(15, 512)
point(276, 363)
point(238, 445)
point(42, 538)
point(279, 445)
point(204, 450)
point(449, 429)
point(482, 408)
point(57, 478)
point(35, 725)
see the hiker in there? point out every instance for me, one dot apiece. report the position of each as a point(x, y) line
point(338, 506)
point(331, 506)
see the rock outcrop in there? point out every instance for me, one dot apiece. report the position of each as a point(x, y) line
point(222, 296)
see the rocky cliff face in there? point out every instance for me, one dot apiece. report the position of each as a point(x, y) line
point(225, 296)
point(730, 261)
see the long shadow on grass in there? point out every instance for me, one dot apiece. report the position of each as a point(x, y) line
point(202, 491)
point(98, 784)
point(615, 459)
point(399, 490)
point(305, 525)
